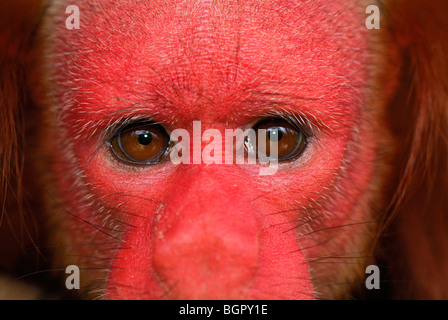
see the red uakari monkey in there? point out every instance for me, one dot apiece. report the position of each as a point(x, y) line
point(358, 116)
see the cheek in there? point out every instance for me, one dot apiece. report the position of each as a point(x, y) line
point(326, 203)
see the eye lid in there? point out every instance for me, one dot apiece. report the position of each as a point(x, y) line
point(124, 123)
point(309, 126)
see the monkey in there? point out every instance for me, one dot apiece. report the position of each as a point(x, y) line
point(356, 117)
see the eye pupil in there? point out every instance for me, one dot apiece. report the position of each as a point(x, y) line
point(275, 134)
point(144, 138)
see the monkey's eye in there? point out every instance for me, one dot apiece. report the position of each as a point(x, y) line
point(278, 136)
point(141, 143)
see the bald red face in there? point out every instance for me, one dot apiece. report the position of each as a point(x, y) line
point(211, 231)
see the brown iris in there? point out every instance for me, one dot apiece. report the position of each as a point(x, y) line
point(141, 143)
point(280, 135)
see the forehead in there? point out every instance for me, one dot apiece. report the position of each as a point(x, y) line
point(193, 54)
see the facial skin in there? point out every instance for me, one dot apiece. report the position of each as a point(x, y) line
point(198, 231)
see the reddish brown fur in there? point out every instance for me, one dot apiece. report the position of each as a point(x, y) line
point(15, 39)
point(412, 241)
point(419, 121)
point(17, 228)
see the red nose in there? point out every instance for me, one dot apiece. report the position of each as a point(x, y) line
point(206, 242)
